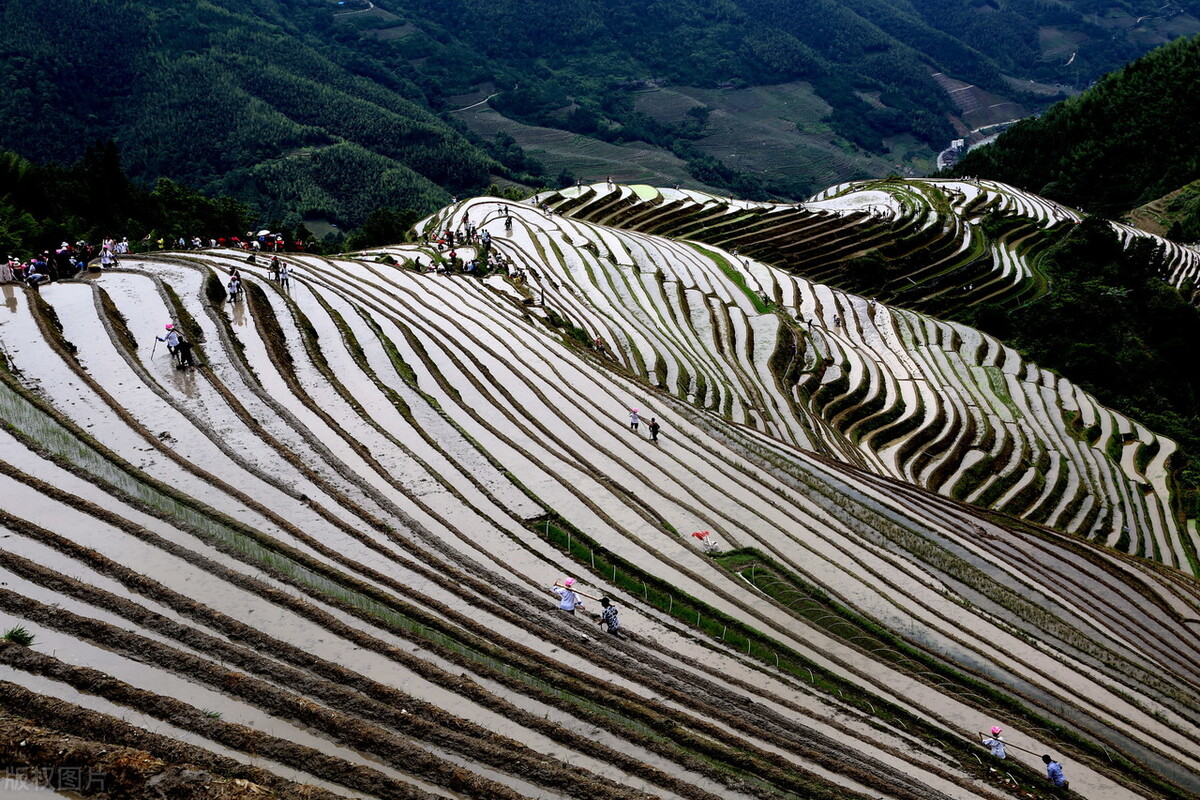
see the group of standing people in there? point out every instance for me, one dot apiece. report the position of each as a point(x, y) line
point(280, 272)
point(65, 261)
point(270, 242)
point(278, 269)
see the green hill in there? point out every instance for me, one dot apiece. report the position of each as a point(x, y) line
point(319, 110)
point(258, 100)
point(1125, 142)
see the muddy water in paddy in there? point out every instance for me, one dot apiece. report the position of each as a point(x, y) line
point(302, 633)
point(381, 411)
point(52, 559)
point(448, 440)
point(583, 453)
point(71, 650)
point(157, 414)
point(86, 530)
point(551, 424)
point(231, 710)
point(67, 693)
point(279, 390)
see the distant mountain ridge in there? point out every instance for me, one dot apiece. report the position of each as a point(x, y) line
point(311, 110)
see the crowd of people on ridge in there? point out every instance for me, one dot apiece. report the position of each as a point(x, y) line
point(68, 260)
point(465, 235)
point(65, 261)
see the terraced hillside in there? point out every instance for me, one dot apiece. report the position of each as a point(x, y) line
point(319, 563)
point(929, 244)
point(892, 391)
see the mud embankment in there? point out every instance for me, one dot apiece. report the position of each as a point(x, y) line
point(106, 758)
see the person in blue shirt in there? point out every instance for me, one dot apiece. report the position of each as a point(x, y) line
point(608, 617)
point(1054, 773)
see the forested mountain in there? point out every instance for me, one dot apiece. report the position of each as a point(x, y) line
point(321, 110)
point(259, 99)
point(1128, 140)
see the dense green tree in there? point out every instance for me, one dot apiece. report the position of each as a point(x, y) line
point(18, 229)
point(93, 199)
point(1127, 140)
point(1185, 210)
point(384, 226)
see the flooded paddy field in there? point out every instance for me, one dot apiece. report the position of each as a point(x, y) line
point(319, 563)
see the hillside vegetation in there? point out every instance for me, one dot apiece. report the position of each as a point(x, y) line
point(315, 110)
point(93, 199)
point(1128, 140)
point(259, 100)
point(319, 562)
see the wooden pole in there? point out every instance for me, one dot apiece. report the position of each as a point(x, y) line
point(576, 591)
point(1007, 744)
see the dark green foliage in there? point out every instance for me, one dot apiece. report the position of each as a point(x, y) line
point(19, 635)
point(518, 164)
point(93, 199)
point(593, 54)
point(179, 211)
point(344, 182)
point(573, 331)
point(273, 104)
point(1114, 327)
point(1126, 141)
point(280, 104)
point(384, 226)
point(17, 228)
point(214, 289)
point(1185, 208)
point(714, 172)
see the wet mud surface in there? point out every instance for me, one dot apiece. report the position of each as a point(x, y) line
point(350, 516)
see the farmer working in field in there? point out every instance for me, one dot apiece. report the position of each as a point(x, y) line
point(995, 742)
point(567, 599)
point(608, 617)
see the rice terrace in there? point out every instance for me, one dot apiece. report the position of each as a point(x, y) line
point(320, 563)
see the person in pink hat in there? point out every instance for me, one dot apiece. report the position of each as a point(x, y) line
point(568, 601)
point(172, 339)
point(995, 742)
point(634, 419)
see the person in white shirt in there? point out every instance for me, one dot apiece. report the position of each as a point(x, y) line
point(995, 742)
point(567, 599)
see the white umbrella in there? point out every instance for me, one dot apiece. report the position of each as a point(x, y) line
point(263, 233)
